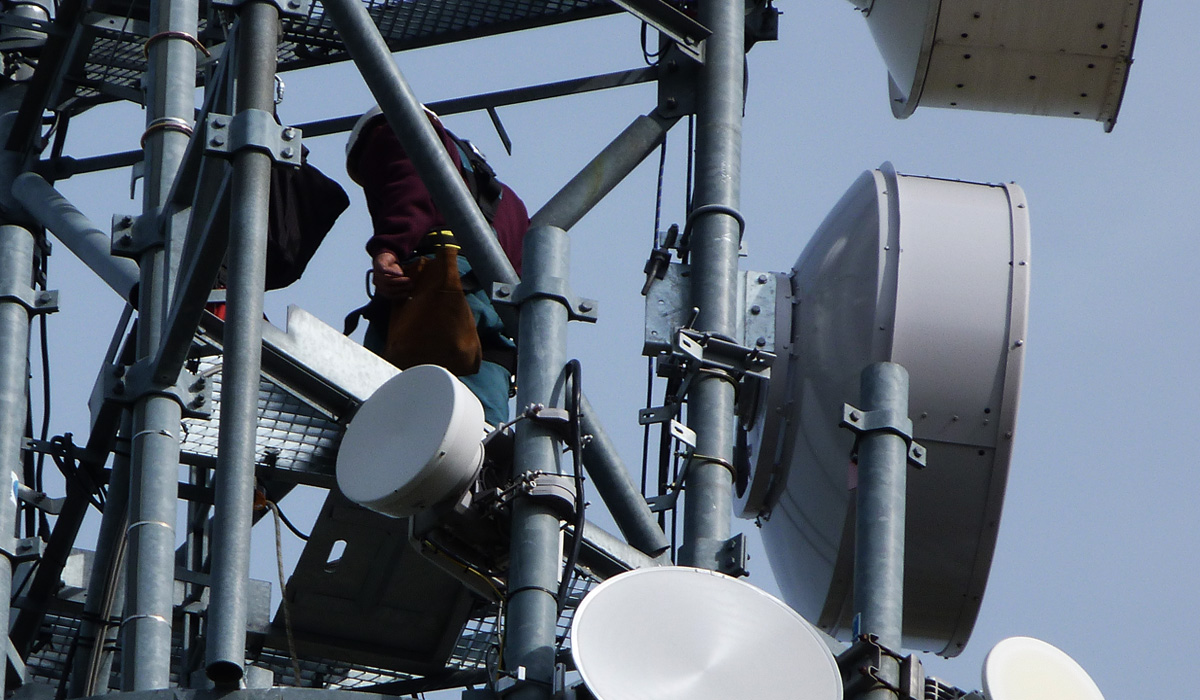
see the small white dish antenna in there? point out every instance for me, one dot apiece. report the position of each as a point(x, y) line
point(1024, 668)
point(677, 633)
point(415, 443)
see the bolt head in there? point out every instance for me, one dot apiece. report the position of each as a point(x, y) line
point(216, 141)
point(855, 416)
point(219, 123)
point(289, 134)
point(762, 279)
point(756, 309)
point(288, 152)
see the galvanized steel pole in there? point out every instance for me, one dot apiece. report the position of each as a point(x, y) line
point(716, 235)
point(242, 357)
point(16, 279)
point(170, 103)
point(536, 554)
point(879, 525)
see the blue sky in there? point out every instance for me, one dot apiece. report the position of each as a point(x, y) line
point(1099, 550)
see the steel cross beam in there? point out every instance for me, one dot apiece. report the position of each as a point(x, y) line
point(67, 167)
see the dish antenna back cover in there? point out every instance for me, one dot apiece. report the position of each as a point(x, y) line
point(1063, 58)
point(677, 633)
point(933, 275)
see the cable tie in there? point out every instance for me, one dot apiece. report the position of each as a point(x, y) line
point(714, 209)
point(140, 523)
point(161, 432)
point(145, 616)
point(532, 587)
point(175, 35)
point(696, 457)
point(175, 124)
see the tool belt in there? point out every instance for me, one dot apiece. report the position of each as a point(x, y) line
point(436, 324)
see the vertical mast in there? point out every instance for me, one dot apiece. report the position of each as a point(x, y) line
point(716, 237)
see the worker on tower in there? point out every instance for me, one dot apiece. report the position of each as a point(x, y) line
point(428, 307)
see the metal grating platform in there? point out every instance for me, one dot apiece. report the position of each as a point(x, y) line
point(475, 648)
point(114, 34)
point(48, 663)
point(293, 436)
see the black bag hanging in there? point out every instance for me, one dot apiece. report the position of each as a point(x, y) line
point(305, 203)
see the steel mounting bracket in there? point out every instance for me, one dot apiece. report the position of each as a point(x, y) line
point(35, 301)
point(733, 557)
point(677, 71)
point(125, 384)
point(707, 351)
point(287, 8)
point(254, 129)
point(27, 549)
point(578, 309)
point(860, 666)
point(133, 235)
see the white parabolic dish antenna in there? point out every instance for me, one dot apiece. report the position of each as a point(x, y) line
point(933, 275)
point(414, 443)
point(1023, 668)
point(677, 633)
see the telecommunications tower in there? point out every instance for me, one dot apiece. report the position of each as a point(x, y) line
point(450, 554)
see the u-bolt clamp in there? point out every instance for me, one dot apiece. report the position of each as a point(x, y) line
point(883, 420)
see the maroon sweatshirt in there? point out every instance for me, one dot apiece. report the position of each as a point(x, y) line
point(402, 210)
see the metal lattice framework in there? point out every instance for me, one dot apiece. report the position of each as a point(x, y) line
point(476, 591)
point(115, 33)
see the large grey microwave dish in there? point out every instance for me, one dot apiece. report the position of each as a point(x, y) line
point(933, 275)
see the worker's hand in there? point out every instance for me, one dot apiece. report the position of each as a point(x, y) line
point(390, 281)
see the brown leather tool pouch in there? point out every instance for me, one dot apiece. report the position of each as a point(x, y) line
point(434, 326)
